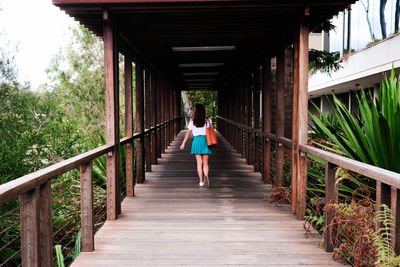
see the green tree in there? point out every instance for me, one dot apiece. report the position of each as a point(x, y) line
point(77, 77)
point(207, 98)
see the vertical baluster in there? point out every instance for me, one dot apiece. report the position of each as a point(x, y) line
point(29, 210)
point(331, 197)
point(36, 231)
point(46, 236)
point(383, 192)
point(87, 227)
point(395, 205)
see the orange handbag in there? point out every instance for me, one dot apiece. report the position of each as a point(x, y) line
point(211, 136)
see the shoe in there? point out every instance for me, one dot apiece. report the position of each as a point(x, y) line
point(206, 181)
point(201, 184)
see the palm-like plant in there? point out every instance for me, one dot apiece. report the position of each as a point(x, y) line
point(375, 137)
point(99, 167)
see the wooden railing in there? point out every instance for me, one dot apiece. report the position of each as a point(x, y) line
point(387, 182)
point(34, 190)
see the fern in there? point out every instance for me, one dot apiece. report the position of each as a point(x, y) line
point(386, 256)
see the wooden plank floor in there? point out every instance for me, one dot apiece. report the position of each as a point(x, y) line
point(173, 222)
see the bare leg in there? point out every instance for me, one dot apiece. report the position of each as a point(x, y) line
point(199, 167)
point(205, 164)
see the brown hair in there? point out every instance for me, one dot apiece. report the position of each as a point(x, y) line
point(199, 115)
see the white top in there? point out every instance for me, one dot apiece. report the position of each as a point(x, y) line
point(198, 130)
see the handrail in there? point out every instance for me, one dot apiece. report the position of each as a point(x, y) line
point(371, 171)
point(379, 174)
point(258, 131)
point(28, 182)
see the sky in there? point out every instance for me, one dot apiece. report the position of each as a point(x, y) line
point(39, 30)
point(360, 35)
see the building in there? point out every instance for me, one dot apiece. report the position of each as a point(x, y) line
point(364, 60)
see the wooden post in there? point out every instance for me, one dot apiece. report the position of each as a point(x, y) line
point(249, 118)
point(243, 117)
point(171, 115)
point(331, 197)
point(87, 226)
point(238, 119)
point(36, 234)
point(295, 123)
point(175, 114)
point(166, 114)
point(112, 117)
point(148, 119)
point(280, 117)
point(251, 134)
point(288, 85)
point(302, 113)
point(140, 156)
point(256, 103)
point(128, 124)
point(153, 118)
point(46, 236)
point(159, 120)
point(234, 117)
point(256, 106)
point(267, 95)
point(179, 110)
point(162, 116)
point(383, 196)
point(230, 111)
point(395, 206)
point(30, 228)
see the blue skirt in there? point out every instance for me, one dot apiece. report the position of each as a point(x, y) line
point(199, 146)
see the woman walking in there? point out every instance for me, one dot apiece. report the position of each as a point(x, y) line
point(200, 149)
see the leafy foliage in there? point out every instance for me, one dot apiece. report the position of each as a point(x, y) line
point(386, 256)
point(59, 256)
point(350, 231)
point(373, 138)
point(324, 61)
point(207, 98)
point(326, 26)
point(77, 77)
point(39, 128)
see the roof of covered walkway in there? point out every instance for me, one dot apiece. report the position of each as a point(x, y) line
point(182, 38)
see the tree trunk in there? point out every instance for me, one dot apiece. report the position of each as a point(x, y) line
point(396, 16)
point(366, 7)
point(382, 18)
point(187, 108)
point(349, 29)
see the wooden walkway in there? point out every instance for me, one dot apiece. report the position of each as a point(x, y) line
point(173, 222)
